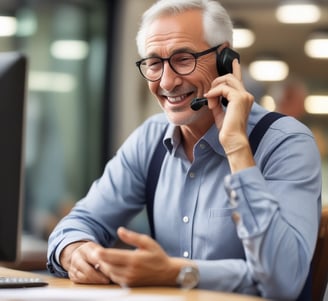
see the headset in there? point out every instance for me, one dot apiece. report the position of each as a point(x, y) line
point(224, 61)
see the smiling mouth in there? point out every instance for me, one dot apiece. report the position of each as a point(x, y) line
point(178, 99)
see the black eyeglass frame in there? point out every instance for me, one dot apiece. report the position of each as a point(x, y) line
point(196, 55)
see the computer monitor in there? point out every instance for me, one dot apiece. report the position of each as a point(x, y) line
point(13, 70)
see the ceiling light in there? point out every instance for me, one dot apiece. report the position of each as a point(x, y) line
point(70, 49)
point(8, 26)
point(268, 69)
point(316, 104)
point(316, 46)
point(243, 37)
point(298, 12)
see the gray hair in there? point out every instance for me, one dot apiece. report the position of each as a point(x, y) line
point(216, 21)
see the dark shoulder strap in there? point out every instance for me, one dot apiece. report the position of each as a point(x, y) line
point(151, 181)
point(260, 128)
point(158, 156)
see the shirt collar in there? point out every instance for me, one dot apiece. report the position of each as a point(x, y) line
point(172, 139)
point(212, 138)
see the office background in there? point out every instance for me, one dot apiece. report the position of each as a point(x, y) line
point(85, 94)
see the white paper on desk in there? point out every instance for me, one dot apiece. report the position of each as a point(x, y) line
point(71, 294)
point(145, 297)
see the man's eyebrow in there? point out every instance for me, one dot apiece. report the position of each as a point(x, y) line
point(178, 50)
point(184, 49)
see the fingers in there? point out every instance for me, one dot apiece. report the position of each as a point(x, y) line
point(115, 271)
point(135, 267)
point(236, 69)
point(221, 87)
point(82, 270)
point(85, 273)
point(121, 266)
point(229, 86)
point(140, 241)
point(119, 273)
point(91, 263)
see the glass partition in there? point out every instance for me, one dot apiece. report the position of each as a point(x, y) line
point(66, 45)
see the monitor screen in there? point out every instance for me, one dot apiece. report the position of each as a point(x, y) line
point(13, 67)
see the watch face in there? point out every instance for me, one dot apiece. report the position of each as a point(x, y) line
point(190, 280)
point(188, 277)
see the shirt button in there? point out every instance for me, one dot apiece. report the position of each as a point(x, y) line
point(185, 219)
point(185, 254)
point(202, 146)
point(227, 181)
point(192, 175)
point(233, 195)
point(233, 198)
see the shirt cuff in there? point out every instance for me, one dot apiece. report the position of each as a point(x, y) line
point(229, 275)
point(53, 264)
point(254, 205)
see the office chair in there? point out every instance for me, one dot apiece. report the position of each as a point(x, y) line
point(320, 259)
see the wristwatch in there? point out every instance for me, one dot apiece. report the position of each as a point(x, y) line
point(188, 277)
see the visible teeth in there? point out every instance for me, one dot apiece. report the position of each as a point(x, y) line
point(176, 99)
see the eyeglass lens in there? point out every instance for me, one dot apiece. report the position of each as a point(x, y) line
point(182, 63)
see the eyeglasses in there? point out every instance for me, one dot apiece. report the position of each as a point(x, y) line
point(182, 63)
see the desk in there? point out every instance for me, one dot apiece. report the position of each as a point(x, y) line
point(174, 293)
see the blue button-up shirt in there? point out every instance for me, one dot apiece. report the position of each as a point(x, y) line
point(250, 232)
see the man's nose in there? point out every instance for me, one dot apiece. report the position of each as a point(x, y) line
point(170, 78)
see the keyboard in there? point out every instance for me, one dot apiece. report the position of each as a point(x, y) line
point(20, 282)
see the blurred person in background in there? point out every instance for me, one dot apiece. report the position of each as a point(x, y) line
point(289, 97)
